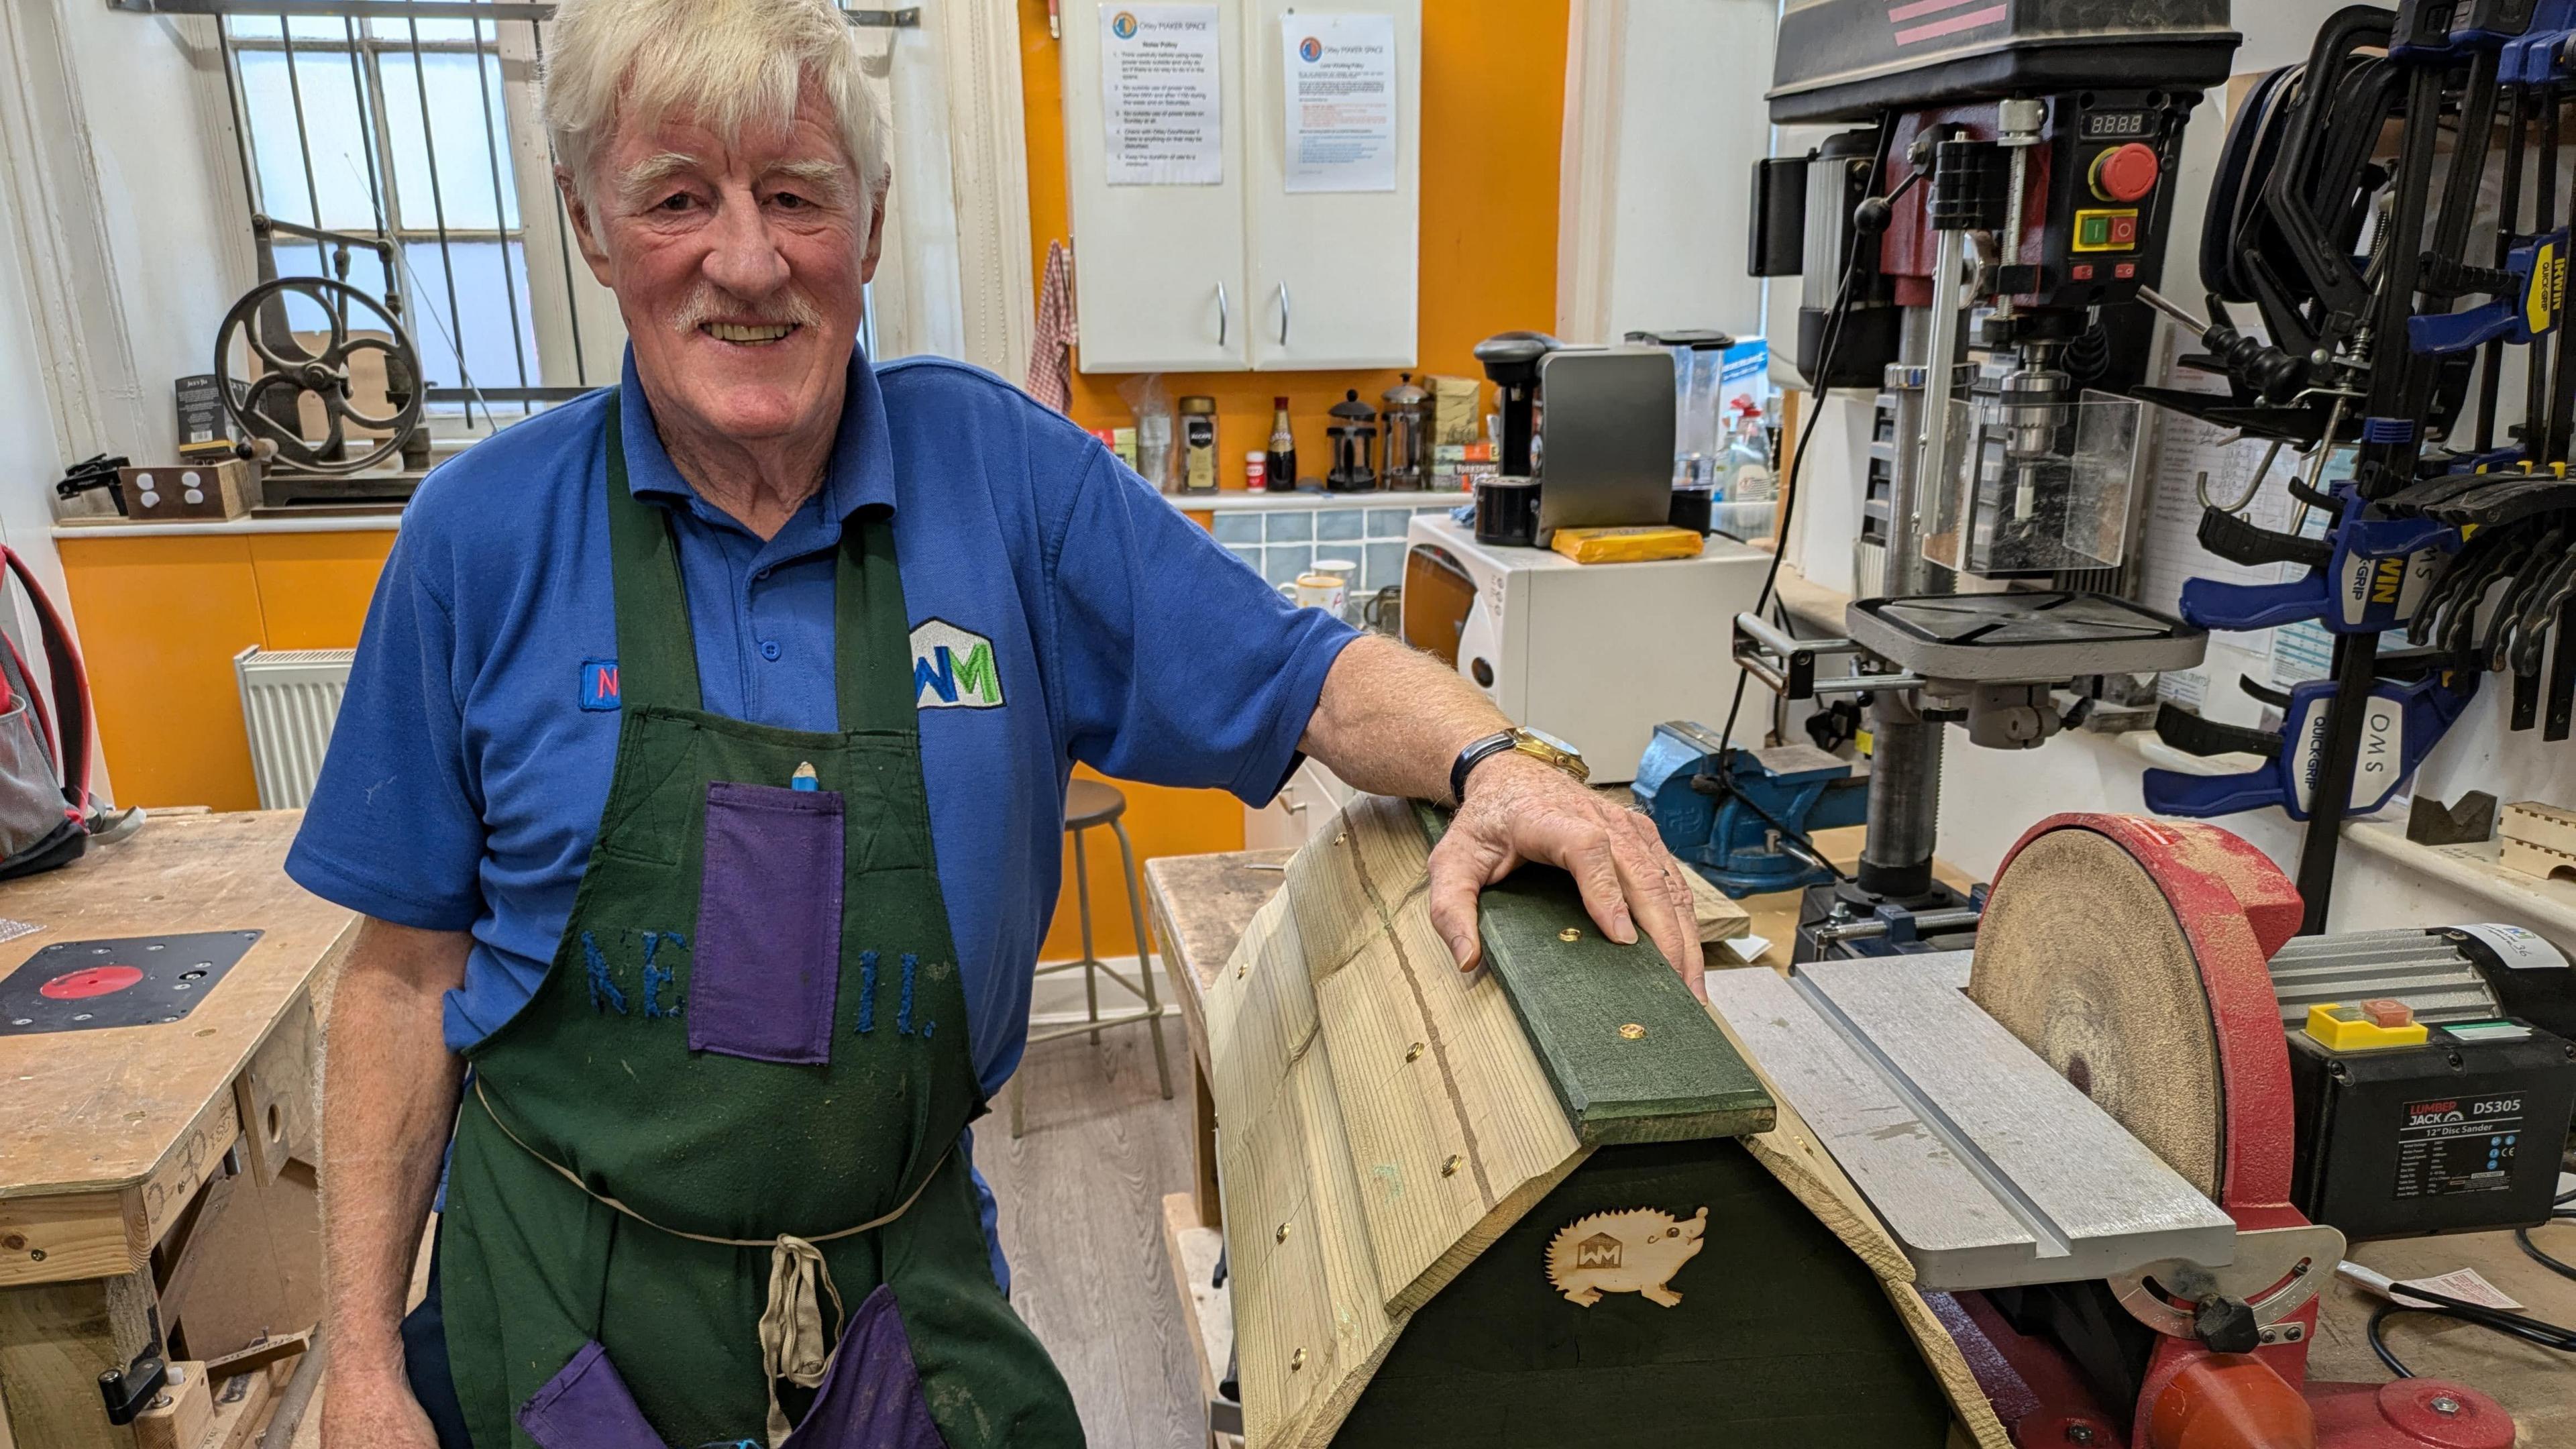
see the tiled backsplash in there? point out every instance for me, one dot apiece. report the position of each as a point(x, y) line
point(1283, 544)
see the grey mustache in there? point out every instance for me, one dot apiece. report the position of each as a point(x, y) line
point(709, 304)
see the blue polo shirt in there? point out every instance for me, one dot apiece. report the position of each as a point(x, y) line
point(1062, 611)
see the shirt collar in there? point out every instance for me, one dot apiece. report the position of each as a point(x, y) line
point(860, 475)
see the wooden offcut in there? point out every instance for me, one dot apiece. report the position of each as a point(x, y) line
point(2535, 823)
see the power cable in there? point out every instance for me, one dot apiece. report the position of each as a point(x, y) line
point(2411, 1298)
point(1852, 243)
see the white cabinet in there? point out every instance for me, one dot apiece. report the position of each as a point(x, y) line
point(1158, 270)
point(1334, 273)
point(1308, 802)
point(1242, 274)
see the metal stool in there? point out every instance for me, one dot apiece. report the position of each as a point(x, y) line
point(1088, 804)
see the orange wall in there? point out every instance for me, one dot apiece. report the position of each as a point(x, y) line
point(162, 618)
point(1493, 110)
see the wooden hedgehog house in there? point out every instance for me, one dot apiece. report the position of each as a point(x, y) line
point(1511, 1207)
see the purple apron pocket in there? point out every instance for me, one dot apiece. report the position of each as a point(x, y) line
point(766, 968)
point(871, 1396)
point(587, 1406)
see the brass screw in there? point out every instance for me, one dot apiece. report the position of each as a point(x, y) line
point(1296, 1360)
point(1633, 1032)
point(1450, 1167)
point(1413, 1053)
point(1283, 1233)
point(1569, 934)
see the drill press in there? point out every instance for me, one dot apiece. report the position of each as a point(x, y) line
point(1976, 249)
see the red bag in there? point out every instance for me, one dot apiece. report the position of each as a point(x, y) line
point(46, 813)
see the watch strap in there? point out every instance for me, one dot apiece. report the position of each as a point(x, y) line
point(1476, 753)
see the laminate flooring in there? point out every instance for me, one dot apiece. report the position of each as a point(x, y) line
point(1081, 1216)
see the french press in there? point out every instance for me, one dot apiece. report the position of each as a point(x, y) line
point(1354, 434)
point(1408, 410)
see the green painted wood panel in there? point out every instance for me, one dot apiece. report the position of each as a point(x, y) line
point(1782, 1340)
point(1632, 1054)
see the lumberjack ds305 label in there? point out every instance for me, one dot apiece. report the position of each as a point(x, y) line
point(2458, 1144)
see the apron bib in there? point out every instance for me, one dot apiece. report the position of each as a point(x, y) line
point(720, 1138)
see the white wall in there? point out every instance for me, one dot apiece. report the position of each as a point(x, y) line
point(1989, 797)
point(1658, 223)
point(123, 239)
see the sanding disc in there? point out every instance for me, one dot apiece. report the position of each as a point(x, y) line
point(2080, 955)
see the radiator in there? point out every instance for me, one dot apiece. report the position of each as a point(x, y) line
point(290, 697)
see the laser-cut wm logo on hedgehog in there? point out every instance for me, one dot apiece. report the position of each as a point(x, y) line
point(1637, 1251)
point(953, 668)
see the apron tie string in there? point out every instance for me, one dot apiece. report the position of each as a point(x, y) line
point(792, 1345)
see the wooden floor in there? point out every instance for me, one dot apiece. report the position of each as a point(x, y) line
point(1081, 1197)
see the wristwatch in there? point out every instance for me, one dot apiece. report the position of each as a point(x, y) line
point(1535, 743)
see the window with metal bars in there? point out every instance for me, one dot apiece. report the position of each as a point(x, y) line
point(365, 122)
point(417, 119)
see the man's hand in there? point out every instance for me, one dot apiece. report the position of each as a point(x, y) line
point(1518, 809)
point(373, 1411)
point(1391, 721)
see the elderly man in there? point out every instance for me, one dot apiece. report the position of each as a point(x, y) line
point(697, 928)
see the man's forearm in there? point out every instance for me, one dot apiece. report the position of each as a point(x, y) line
point(389, 1096)
point(1392, 720)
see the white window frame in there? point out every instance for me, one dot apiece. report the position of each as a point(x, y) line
point(955, 278)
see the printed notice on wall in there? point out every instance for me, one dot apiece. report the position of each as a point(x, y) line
point(1341, 101)
point(1160, 97)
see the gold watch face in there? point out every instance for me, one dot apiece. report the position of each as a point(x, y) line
point(1553, 750)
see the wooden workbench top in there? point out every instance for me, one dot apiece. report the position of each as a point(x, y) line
point(109, 1109)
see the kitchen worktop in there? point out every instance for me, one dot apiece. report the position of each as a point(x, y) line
point(1230, 500)
point(367, 518)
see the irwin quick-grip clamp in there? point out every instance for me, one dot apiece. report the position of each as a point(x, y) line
point(2525, 296)
point(2401, 722)
point(2366, 575)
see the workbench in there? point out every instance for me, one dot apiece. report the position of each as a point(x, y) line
point(1201, 905)
point(158, 1192)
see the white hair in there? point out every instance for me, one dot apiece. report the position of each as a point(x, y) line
point(728, 64)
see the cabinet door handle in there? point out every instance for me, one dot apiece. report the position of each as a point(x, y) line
point(1224, 315)
point(1283, 314)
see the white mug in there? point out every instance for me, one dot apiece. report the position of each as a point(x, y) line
point(1328, 592)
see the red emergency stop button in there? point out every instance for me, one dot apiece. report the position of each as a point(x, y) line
point(2126, 173)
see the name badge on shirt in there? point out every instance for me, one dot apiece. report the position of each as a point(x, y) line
point(599, 685)
point(953, 668)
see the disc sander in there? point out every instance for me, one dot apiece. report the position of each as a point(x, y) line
point(2081, 956)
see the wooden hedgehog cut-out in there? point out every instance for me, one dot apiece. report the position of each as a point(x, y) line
point(1637, 1251)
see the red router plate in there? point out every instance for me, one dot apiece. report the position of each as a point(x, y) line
point(89, 981)
point(130, 981)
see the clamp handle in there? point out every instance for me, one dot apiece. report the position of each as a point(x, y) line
point(2199, 797)
point(2193, 735)
point(2239, 542)
point(2210, 604)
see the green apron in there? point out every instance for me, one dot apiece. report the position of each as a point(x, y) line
point(732, 1108)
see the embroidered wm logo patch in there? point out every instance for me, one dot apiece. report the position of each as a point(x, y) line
point(953, 669)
